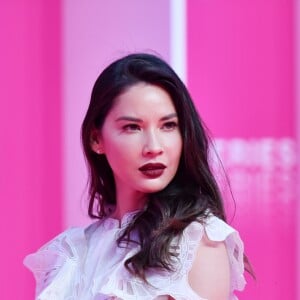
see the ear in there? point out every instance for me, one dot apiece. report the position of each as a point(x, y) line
point(95, 142)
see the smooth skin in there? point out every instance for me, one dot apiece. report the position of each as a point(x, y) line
point(142, 127)
point(210, 273)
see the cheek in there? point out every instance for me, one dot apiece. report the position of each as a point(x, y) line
point(119, 151)
point(175, 146)
point(125, 148)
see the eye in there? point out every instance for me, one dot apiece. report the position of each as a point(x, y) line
point(131, 127)
point(170, 125)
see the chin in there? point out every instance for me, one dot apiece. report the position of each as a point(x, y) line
point(153, 189)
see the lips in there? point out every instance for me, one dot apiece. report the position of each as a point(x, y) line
point(152, 170)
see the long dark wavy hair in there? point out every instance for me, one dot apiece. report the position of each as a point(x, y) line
point(192, 193)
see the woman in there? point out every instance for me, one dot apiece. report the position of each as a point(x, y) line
point(161, 231)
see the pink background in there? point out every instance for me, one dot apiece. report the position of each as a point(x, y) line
point(30, 116)
point(241, 73)
point(241, 59)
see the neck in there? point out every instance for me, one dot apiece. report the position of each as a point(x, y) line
point(127, 203)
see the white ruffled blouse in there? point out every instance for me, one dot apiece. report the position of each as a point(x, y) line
point(87, 264)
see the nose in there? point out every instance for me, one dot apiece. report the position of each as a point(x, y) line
point(152, 145)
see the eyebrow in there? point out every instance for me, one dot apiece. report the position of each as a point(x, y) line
point(137, 120)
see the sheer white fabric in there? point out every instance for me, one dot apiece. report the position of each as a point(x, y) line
point(86, 264)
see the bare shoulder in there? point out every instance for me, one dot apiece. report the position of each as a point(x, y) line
point(209, 276)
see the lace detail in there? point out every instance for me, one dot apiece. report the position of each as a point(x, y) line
point(217, 230)
point(88, 265)
point(57, 265)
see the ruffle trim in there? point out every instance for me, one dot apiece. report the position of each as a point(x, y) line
point(218, 230)
point(59, 271)
point(57, 266)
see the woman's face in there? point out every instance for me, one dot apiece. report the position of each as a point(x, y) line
point(141, 140)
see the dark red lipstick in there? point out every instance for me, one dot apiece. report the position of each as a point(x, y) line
point(152, 170)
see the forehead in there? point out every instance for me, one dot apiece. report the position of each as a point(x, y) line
point(143, 99)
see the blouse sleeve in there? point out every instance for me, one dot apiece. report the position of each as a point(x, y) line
point(58, 257)
point(218, 230)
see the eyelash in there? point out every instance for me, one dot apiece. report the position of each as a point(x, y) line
point(131, 127)
point(168, 126)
